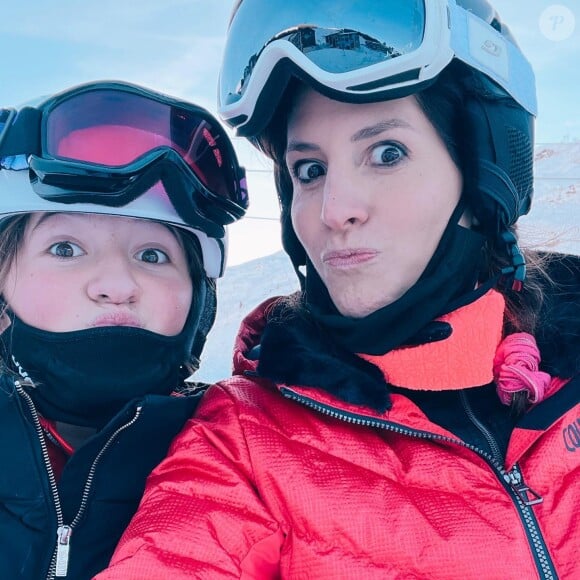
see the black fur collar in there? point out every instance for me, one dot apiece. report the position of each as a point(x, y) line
point(558, 332)
point(294, 351)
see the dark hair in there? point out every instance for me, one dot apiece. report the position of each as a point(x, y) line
point(12, 231)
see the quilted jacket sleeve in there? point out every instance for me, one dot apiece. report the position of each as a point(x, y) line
point(200, 516)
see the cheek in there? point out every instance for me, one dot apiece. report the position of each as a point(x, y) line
point(42, 300)
point(431, 198)
point(176, 300)
point(305, 216)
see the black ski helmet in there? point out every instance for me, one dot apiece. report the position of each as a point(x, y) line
point(498, 164)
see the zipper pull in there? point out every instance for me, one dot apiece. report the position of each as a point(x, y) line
point(526, 494)
point(63, 535)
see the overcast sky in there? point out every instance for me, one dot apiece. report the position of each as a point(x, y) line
point(175, 46)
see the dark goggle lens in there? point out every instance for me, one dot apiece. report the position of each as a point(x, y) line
point(114, 128)
point(337, 35)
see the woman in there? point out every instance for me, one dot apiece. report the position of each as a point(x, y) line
point(411, 414)
point(113, 203)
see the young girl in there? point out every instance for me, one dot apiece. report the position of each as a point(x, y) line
point(113, 203)
point(414, 412)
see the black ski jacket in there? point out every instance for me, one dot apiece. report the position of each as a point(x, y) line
point(97, 494)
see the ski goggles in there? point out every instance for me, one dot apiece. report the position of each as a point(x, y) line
point(357, 52)
point(108, 143)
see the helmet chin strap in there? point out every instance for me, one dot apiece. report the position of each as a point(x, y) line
point(515, 274)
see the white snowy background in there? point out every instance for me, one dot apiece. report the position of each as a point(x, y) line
point(553, 224)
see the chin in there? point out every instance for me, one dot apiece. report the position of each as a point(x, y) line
point(354, 310)
point(358, 309)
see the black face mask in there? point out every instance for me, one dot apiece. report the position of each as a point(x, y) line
point(85, 377)
point(450, 275)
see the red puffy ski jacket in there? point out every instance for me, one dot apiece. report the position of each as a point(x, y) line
point(287, 481)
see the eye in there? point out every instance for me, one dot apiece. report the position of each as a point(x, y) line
point(307, 171)
point(65, 250)
point(387, 154)
point(152, 256)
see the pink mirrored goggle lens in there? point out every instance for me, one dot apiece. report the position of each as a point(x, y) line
point(114, 128)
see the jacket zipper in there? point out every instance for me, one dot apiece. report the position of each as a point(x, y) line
point(512, 480)
point(498, 459)
point(60, 558)
point(528, 496)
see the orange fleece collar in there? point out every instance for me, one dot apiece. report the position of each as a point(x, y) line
point(464, 359)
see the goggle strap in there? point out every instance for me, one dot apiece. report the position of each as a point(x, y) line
point(23, 136)
point(480, 46)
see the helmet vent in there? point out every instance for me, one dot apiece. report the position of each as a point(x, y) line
point(521, 165)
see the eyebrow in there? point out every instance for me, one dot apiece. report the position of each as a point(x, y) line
point(301, 147)
point(378, 128)
point(174, 231)
point(43, 218)
point(364, 133)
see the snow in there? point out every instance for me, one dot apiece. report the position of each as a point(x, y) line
point(553, 223)
point(242, 289)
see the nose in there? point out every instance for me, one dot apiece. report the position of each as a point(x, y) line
point(114, 283)
point(344, 205)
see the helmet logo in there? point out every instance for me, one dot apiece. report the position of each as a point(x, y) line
point(491, 48)
point(488, 49)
